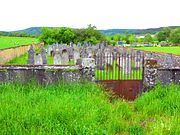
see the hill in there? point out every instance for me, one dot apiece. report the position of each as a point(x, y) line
point(36, 30)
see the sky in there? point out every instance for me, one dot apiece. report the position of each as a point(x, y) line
point(104, 14)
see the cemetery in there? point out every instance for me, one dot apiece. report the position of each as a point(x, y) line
point(89, 88)
point(114, 67)
point(85, 80)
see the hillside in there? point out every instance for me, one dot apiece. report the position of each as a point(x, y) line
point(36, 30)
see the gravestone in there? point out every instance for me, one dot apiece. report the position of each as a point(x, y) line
point(43, 54)
point(76, 56)
point(79, 45)
point(65, 57)
point(71, 44)
point(84, 53)
point(89, 52)
point(100, 60)
point(31, 55)
point(38, 59)
point(57, 58)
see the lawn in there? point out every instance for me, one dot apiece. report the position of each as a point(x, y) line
point(85, 108)
point(6, 42)
point(172, 49)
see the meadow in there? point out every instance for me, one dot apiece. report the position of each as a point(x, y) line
point(85, 108)
point(170, 49)
point(6, 42)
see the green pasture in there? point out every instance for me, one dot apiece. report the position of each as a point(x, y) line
point(86, 109)
point(6, 42)
point(170, 49)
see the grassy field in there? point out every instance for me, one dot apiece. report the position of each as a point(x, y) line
point(6, 42)
point(172, 49)
point(85, 109)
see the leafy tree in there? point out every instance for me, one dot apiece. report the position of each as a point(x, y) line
point(117, 37)
point(164, 34)
point(148, 38)
point(175, 36)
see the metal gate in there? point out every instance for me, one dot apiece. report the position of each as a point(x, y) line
point(122, 73)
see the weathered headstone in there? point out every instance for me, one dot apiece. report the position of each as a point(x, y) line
point(65, 57)
point(76, 56)
point(57, 58)
point(31, 55)
point(100, 60)
point(38, 59)
point(43, 54)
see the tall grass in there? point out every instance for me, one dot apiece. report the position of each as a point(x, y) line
point(86, 109)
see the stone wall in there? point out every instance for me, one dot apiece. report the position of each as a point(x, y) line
point(11, 53)
point(42, 74)
point(47, 74)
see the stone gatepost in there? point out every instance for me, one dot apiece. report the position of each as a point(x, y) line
point(88, 69)
point(150, 73)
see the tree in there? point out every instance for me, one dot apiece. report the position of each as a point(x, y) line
point(148, 38)
point(175, 36)
point(164, 34)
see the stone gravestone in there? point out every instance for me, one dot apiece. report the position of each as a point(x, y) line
point(100, 60)
point(38, 59)
point(31, 55)
point(79, 45)
point(84, 53)
point(89, 52)
point(65, 57)
point(43, 54)
point(168, 61)
point(76, 56)
point(71, 44)
point(57, 58)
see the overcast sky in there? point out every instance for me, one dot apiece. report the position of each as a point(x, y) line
point(104, 14)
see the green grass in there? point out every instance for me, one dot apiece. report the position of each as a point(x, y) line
point(6, 42)
point(85, 109)
point(172, 49)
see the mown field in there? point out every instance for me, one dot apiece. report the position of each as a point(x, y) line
point(6, 42)
point(171, 49)
point(86, 109)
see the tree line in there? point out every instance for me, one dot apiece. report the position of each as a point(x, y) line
point(171, 36)
point(67, 35)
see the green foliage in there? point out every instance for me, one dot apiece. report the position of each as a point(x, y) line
point(66, 35)
point(136, 130)
point(148, 38)
point(164, 34)
point(175, 36)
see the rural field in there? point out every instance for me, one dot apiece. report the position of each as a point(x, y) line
point(84, 108)
point(6, 42)
point(170, 49)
